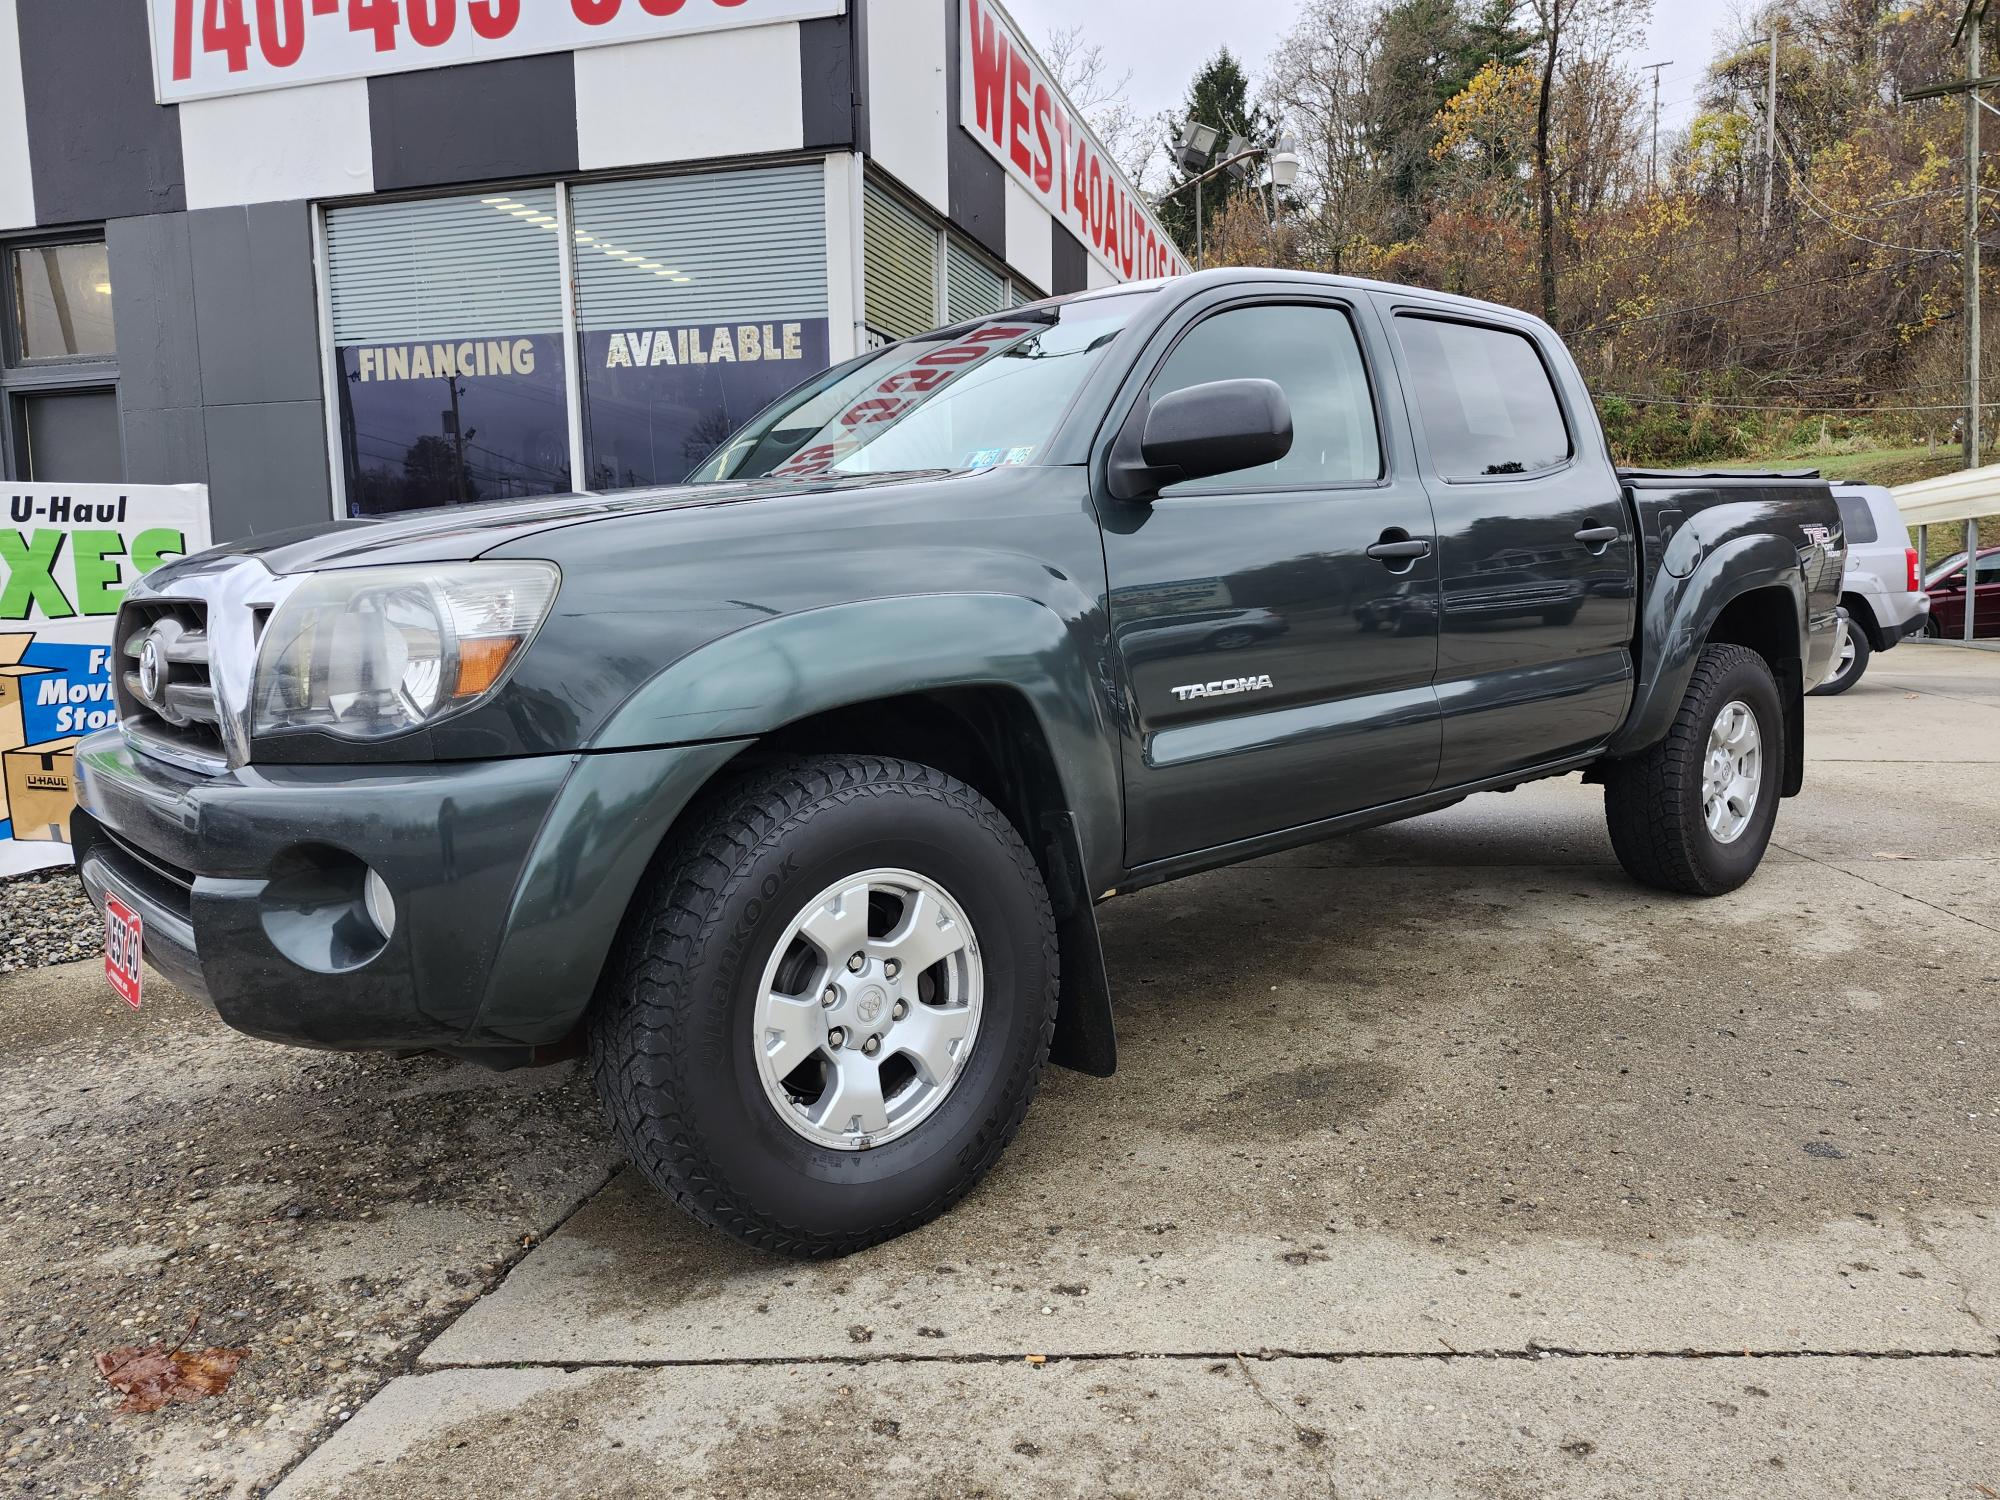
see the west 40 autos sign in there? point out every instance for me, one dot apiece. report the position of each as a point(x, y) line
point(202, 48)
point(1015, 110)
point(68, 553)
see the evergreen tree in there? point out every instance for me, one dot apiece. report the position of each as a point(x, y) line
point(1219, 96)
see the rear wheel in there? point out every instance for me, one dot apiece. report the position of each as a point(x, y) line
point(1854, 658)
point(1694, 813)
point(830, 1007)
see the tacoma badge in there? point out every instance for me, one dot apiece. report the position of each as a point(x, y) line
point(1223, 689)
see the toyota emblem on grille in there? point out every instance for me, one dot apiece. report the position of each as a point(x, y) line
point(152, 669)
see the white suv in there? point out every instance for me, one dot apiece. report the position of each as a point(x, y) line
point(1882, 592)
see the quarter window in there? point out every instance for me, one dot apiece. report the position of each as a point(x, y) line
point(1312, 354)
point(1488, 406)
point(1855, 518)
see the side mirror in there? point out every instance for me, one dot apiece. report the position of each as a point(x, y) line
point(1223, 427)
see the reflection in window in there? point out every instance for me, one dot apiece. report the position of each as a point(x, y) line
point(447, 322)
point(1487, 403)
point(62, 301)
point(1312, 355)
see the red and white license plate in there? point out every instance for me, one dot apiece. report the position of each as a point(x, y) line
point(124, 950)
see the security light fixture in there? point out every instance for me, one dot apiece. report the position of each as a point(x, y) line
point(1197, 146)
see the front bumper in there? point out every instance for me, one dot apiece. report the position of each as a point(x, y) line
point(509, 879)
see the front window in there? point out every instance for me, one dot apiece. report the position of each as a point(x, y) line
point(977, 397)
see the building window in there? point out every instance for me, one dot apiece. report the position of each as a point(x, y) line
point(699, 301)
point(58, 365)
point(466, 373)
point(448, 346)
point(921, 274)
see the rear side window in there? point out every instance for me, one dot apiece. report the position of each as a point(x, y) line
point(1856, 518)
point(1312, 354)
point(1488, 406)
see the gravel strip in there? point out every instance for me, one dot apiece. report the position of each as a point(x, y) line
point(45, 918)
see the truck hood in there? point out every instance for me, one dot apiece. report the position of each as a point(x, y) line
point(460, 532)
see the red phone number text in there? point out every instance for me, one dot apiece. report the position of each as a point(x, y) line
point(279, 30)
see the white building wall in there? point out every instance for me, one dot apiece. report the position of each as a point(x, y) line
point(908, 128)
point(688, 98)
point(307, 142)
point(17, 184)
point(1030, 236)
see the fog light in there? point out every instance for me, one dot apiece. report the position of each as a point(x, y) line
point(381, 905)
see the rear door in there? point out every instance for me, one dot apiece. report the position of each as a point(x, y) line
point(1535, 545)
point(1277, 673)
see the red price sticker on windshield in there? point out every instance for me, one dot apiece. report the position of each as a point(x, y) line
point(204, 48)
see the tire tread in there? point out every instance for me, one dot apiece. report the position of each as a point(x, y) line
point(641, 1017)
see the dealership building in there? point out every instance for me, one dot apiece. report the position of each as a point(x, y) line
point(350, 257)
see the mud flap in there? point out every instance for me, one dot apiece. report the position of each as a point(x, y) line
point(1085, 1040)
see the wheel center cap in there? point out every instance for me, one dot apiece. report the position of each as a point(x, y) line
point(869, 1003)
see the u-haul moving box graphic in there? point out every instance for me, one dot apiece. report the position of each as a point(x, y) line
point(68, 553)
point(41, 790)
point(17, 689)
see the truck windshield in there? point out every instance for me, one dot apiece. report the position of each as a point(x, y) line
point(978, 396)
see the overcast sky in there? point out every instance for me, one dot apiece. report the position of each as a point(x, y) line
point(1164, 41)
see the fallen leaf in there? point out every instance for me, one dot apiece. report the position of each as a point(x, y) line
point(1038, 1359)
point(151, 1377)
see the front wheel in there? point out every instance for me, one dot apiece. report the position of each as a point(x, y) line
point(1854, 657)
point(1694, 813)
point(831, 1005)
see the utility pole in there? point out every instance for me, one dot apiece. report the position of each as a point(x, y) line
point(1974, 14)
point(1655, 172)
point(1771, 124)
point(1971, 316)
point(1969, 35)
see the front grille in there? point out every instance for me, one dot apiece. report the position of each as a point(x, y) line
point(165, 685)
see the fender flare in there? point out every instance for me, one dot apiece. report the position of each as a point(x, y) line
point(758, 680)
point(692, 720)
point(1679, 615)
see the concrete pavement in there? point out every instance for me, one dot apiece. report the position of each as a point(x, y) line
point(1441, 1160)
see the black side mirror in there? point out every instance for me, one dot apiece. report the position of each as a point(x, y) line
point(1223, 427)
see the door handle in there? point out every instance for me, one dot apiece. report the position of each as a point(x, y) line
point(1404, 551)
point(1598, 536)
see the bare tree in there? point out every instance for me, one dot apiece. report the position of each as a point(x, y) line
point(1318, 84)
point(1104, 98)
point(1568, 30)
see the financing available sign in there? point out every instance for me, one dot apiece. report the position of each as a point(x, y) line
point(68, 553)
point(205, 48)
point(1016, 111)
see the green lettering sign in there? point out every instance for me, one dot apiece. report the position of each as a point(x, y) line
point(97, 574)
point(151, 548)
point(31, 582)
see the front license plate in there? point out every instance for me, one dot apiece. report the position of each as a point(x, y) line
point(124, 950)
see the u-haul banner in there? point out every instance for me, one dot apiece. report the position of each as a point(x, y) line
point(68, 553)
point(204, 48)
point(1014, 109)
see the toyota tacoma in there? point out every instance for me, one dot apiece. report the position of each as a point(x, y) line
point(787, 794)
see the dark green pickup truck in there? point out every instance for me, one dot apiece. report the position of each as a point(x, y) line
point(788, 793)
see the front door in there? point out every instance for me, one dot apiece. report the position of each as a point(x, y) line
point(1278, 673)
point(1535, 550)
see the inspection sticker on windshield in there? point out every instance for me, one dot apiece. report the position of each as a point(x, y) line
point(124, 948)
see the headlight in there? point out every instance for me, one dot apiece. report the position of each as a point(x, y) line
point(375, 652)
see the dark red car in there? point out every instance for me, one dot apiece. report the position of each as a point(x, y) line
point(1946, 586)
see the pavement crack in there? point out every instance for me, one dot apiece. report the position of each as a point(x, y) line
point(1887, 890)
point(1309, 1437)
point(1527, 1354)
